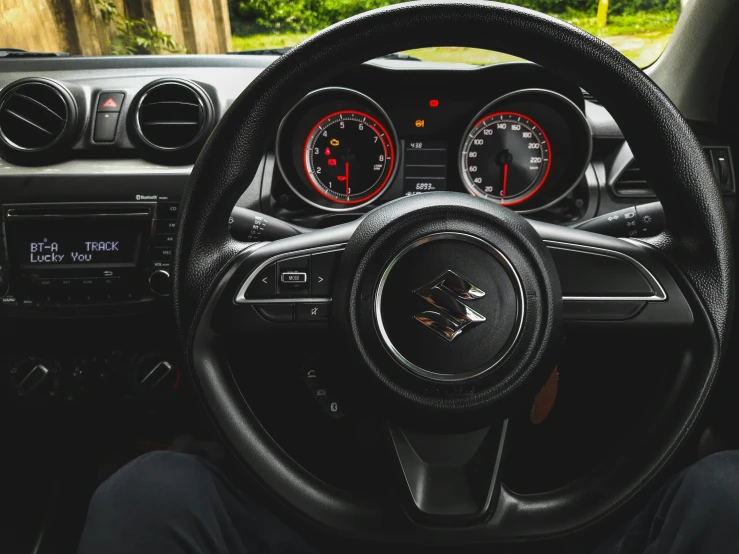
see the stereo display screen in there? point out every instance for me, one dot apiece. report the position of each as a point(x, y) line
point(68, 246)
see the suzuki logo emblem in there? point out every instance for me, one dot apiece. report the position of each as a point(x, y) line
point(451, 316)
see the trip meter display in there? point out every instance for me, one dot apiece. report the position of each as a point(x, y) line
point(349, 157)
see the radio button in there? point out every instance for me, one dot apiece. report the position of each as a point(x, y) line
point(167, 226)
point(167, 210)
point(163, 252)
point(162, 265)
point(8, 301)
point(164, 240)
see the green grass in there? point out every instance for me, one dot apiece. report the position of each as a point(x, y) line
point(640, 37)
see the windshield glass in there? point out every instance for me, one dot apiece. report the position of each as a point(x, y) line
point(640, 29)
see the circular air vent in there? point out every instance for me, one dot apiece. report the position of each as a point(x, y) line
point(172, 115)
point(35, 115)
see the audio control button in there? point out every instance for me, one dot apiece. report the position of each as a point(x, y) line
point(160, 282)
point(167, 210)
point(164, 240)
point(263, 285)
point(163, 252)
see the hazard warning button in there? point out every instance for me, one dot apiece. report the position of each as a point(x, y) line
point(110, 101)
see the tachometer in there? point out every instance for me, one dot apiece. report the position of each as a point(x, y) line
point(505, 157)
point(349, 157)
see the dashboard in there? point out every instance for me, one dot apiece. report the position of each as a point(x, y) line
point(95, 154)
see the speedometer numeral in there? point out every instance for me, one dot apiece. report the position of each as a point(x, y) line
point(496, 160)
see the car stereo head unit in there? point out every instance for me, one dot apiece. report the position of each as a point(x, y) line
point(87, 253)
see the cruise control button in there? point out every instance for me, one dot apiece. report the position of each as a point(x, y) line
point(279, 313)
point(311, 312)
point(322, 268)
point(263, 285)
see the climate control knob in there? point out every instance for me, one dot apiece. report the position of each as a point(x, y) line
point(160, 282)
point(155, 373)
point(31, 376)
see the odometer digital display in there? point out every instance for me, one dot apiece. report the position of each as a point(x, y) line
point(349, 157)
point(505, 157)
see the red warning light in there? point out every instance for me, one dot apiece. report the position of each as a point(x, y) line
point(434, 103)
point(109, 103)
point(327, 151)
point(341, 177)
point(332, 161)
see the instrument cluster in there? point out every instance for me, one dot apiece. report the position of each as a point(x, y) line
point(339, 149)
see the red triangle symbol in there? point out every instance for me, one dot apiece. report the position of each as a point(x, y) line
point(109, 103)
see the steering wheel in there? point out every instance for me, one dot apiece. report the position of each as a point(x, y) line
point(498, 292)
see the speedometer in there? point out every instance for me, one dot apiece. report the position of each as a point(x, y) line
point(505, 157)
point(349, 157)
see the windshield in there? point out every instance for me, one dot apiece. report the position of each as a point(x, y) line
point(640, 29)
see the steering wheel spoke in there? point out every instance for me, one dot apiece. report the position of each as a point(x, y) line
point(611, 281)
point(285, 284)
point(449, 478)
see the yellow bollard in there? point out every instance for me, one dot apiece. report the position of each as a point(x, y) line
point(602, 18)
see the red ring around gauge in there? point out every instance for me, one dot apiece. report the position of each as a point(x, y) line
point(387, 145)
point(544, 139)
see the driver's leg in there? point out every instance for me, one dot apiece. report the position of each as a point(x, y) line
point(696, 512)
point(165, 502)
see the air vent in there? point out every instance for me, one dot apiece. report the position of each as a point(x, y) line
point(632, 183)
point(35, 115)
point(172, 115)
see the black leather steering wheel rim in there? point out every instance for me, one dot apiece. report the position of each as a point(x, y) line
point(697, 240)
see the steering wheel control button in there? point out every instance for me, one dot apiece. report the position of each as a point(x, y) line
point(105, 126)
point(110, 101)
point(295, 278)
point(312, 311)
point(277, 313)
point(449, 307)
point(323, 266)
point(263, 285)
point(294, 275)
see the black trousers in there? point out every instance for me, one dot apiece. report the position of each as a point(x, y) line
point(167, 503)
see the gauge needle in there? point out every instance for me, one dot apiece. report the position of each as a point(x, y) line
point(346, 178)
point(505, 181)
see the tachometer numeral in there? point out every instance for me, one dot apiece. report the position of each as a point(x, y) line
point(348, 147)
